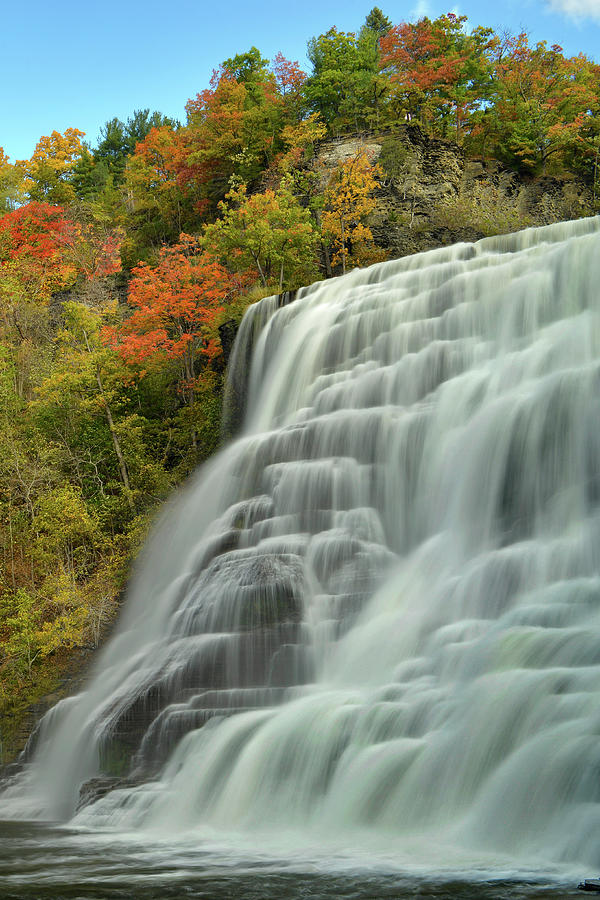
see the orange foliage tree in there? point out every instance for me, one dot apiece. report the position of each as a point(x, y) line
point(545, 104)
point(34, 264)
point(438, 72)
point(176, 304)
point(290, 79)
point(152, 171)
point(231, 131)
point(234, 127)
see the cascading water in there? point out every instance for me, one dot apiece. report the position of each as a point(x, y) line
point(377, 612)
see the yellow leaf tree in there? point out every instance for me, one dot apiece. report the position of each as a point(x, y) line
point(347, 202)
point(46, 175)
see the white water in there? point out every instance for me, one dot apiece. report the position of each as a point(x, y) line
point(384, 598)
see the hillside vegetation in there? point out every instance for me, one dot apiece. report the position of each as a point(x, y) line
point(119, 262)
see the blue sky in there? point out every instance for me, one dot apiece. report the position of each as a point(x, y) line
point(71, 64)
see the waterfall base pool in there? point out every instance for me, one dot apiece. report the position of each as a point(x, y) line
point(44, 862)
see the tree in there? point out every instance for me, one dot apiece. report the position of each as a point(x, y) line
point(439, 74)
point(233, 130)
point(288, 75)
point(176, 304)
point(25, 471)
point(10, 181)
point(66, 533)
point(269, 231)
point(342, 87)
point(158, 207)
point(300, 141)
point(118, 140)
point(85, 383)
point(247, 68)
point(290, 80)
point(89, 178)
point(377, 22)
point(544, 103)
point(28, 636)
point(34, 263)
point(48, 172)
point(348, 201)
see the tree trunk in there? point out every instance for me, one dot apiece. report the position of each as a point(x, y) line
point(327, 258)
point(188, 369)
point(12, 547)
point(260, 270)
point(117, 446)
point(114, 435)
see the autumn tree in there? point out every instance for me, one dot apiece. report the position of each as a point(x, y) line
point(46, 176)
point(233, 128)
point(347, 202)
point(34, 264)
point(300, 141)
point(544, 104)
point(439, 74)
point(99, 173)
point(118, 139)
point(290, 80)
point(176, 304)
point(159, 202)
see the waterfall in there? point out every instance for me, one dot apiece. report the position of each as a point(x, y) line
point(377, 611)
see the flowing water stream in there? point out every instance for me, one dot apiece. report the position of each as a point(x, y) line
point(366, 638)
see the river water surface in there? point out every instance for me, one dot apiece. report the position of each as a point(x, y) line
point(45, 862)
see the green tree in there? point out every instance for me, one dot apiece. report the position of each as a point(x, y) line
point(269, 231)
point(11, 194)
point(118, 140)
point(344, 87)
point(82, 406)
point(377, 22)
point(248, 68)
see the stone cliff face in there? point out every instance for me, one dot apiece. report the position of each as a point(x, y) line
point(432, 194)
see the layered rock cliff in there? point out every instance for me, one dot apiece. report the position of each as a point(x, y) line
point(432, 194)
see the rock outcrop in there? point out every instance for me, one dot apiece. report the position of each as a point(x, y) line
point(432, 194)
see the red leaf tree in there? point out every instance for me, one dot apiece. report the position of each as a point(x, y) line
point(34, 265)
point(33, 250)
point(175, 307)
